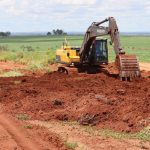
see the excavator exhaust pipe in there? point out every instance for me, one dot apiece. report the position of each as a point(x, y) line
point(128, 66)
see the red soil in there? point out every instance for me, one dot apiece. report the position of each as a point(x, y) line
point(14, 136)
point(92, 98)
point(7, 66)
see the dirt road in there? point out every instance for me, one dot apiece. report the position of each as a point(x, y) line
point(13, 137)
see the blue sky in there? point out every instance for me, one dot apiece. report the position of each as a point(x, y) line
point(72, 15)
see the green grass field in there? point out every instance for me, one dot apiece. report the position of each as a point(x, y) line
point(40, 50)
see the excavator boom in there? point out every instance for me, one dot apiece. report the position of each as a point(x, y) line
point(127, 65)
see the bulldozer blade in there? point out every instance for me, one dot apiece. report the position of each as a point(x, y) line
point(128, 66)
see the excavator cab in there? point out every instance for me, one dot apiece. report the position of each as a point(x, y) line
point(98, 53)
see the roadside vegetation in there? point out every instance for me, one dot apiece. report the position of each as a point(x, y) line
point(144, 134)
point(23, 117)
point(70, 145)
point(12, 73)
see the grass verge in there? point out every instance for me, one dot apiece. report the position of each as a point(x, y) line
point(141, 135)
point(71, 145)
point(23, 117)
point(144, 134)
point(11, 74)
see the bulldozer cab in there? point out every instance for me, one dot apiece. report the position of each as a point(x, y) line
point(98, 54)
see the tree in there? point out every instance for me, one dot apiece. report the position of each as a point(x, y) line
point(59, 32)
point(5, 34)
point(49, 33)
point(54, 32)
point(8, 33)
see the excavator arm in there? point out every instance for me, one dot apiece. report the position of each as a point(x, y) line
point(127, 65)
point(95, 30)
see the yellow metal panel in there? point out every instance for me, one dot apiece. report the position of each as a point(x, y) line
point(64, 57)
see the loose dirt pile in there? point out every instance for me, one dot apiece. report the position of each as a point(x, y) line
point(94, 99)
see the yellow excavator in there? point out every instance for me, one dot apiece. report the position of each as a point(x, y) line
point(94, 51)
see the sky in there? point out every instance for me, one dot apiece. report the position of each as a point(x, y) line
point(72, 15)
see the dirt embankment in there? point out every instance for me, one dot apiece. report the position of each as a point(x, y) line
point(94, 99)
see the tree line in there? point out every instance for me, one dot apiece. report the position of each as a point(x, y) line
point(57, 32)
point(5, 34)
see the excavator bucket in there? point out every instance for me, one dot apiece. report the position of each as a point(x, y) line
point(128, 66)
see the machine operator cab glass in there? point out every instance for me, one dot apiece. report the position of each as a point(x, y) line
point(101, 51)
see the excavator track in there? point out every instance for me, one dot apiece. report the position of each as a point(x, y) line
point(68, 70)
point(128, 66)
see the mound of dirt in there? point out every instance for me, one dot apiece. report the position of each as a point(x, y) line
point(94, 99)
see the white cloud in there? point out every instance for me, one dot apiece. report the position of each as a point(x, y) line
point(42, 6)
point(14, 7)
point(147, 6)
point(76, 2)
point(123, 4)
point(5, 3)
point(76, 14)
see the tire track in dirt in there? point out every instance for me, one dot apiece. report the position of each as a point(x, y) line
point(18, 137)
point(6, 141)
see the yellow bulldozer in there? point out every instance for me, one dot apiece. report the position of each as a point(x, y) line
point(94, 51)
